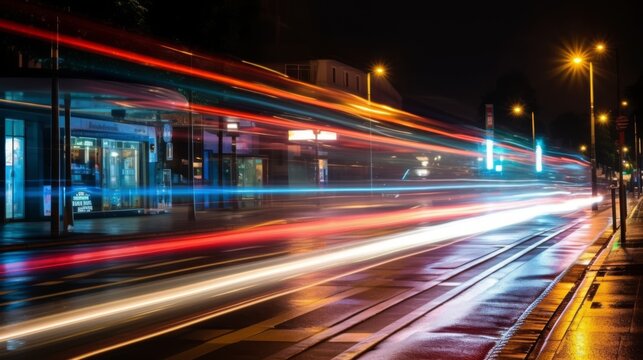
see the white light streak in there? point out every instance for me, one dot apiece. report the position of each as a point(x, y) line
point(288, 268)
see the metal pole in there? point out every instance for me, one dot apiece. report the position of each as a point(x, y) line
point(55, 142)
point(233, 171)
point(637, 189)
point(317, 167)
point(637, 144)
point(191, 209)
point(622, 194)
point(220, 162)
point(68, 217)
point(368, 87)
point(533, 131)
point(592, 133)
point(613, 191)
point(370, 133)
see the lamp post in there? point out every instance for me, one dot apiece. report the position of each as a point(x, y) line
point(577, 60)
point(518, 110)
point(378, 70)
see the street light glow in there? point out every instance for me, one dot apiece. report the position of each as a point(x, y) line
point(379, 70)
point(603, 117)
point(577, 60)
point(583, 148)
point(624, 103)
point(600, 47)
point(517, 109)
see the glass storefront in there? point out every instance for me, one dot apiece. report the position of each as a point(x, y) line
point(14, 146)
point(106, 174)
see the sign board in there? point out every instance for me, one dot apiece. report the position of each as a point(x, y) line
point(296, 135)
point(169, 151)
point(81, 202)
point(622, 122)
point(488, 113)
point(167, 132)
point(46, 200)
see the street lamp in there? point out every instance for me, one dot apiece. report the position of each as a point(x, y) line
point(518, 110)
point(378, 70)
point(578, 61)
point(602, 118)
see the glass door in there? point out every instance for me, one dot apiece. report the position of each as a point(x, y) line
point(121, 175)
point(14, 146)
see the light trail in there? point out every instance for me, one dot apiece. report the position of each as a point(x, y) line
point(365, 109)
point(315, 228)
point(287, 268)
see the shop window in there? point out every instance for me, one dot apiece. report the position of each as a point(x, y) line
point(14, 169)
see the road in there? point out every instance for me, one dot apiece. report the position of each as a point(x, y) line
point(372, 291)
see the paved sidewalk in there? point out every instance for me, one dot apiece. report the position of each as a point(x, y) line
point(605, 318)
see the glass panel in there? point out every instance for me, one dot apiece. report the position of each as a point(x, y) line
point(121, 175)
point(15, 173)
point(8, 167)
point(85, 169)
point(14, 127)
point(323, 171)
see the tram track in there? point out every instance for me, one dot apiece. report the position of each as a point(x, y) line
point(503, 256)
point(530, 243)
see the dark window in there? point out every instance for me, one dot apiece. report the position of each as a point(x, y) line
point(357, 83)
point(334, 76)
point(346, 78)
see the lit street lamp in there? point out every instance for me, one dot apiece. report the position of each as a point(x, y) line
point(577, 61)
point(518, 110)
point(378, 70)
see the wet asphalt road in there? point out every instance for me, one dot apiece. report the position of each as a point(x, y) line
point(427, 304)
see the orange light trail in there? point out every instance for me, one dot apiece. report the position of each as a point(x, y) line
point(273, 232)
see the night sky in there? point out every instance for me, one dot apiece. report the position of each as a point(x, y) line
point(459, 49)
point(450, 49)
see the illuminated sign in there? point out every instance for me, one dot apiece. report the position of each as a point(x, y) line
point(299, 135)
point(81, 202)
point(327, 136)
point(294, 135)
point(489, 154)
point(539, 158)
point(46, 200)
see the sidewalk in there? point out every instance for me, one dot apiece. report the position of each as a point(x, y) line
point(607, 322)
point(601, 316)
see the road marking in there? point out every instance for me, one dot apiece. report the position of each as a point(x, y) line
point(169, 263)
point(143, 278)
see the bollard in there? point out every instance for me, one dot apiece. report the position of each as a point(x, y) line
point(613, 191)
point(623, 213)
